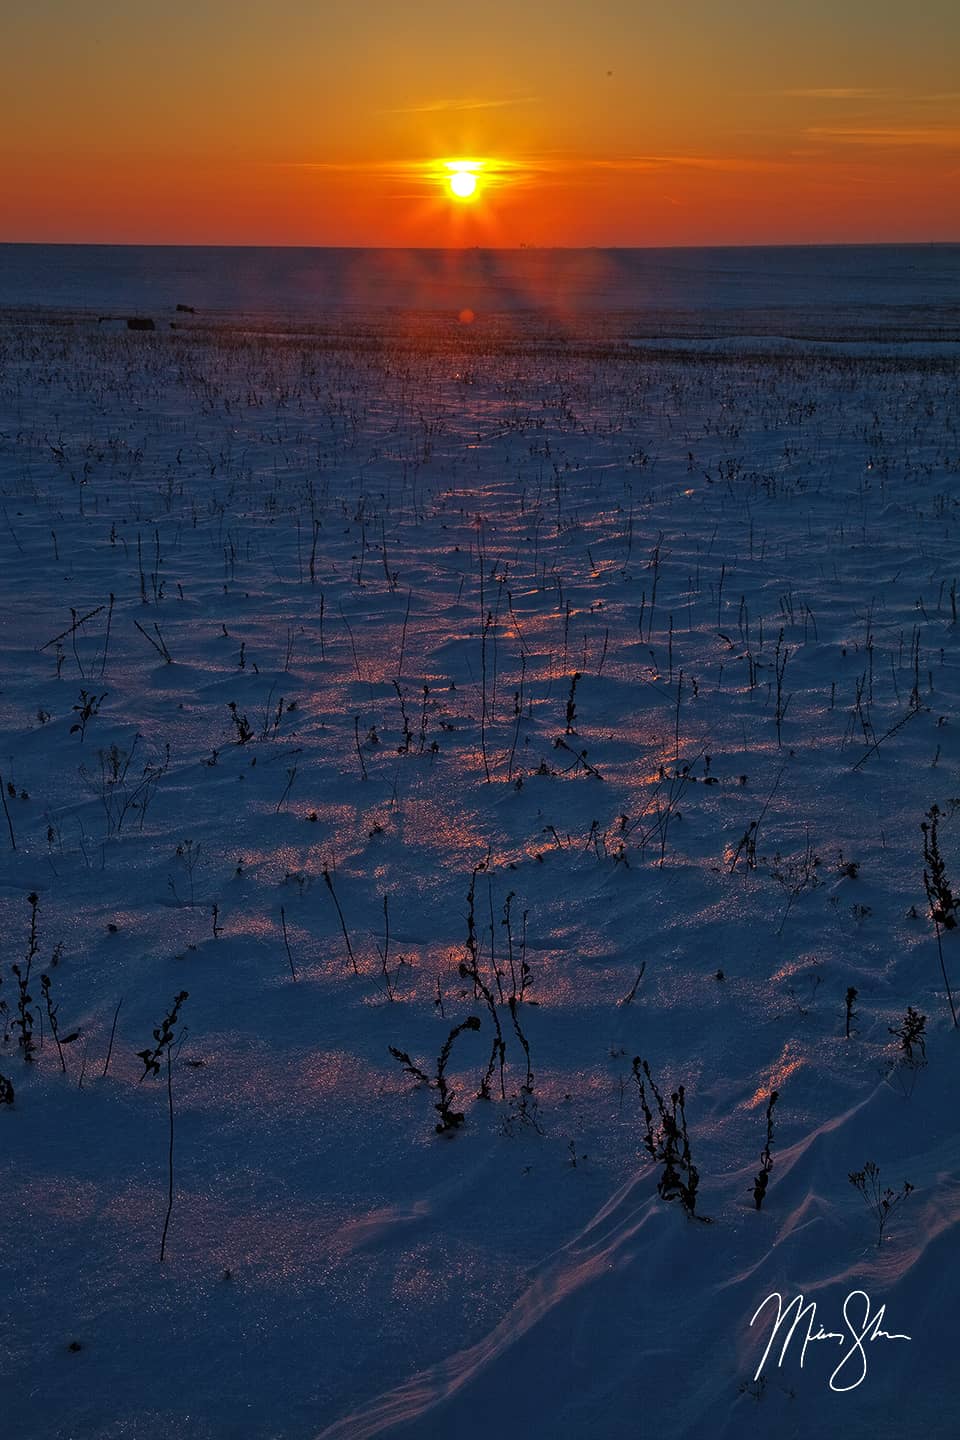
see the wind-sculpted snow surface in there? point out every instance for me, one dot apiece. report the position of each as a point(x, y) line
point(361, 681)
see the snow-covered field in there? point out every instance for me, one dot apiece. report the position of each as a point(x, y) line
point(363, 682)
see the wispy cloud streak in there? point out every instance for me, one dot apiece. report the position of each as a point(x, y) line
point(839, 92)
point(551, 169)
point(940, 137)
point(432, 107)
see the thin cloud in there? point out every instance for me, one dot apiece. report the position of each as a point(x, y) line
point(432, 107)
point(397, 171)
point(639, 163)
point(852, 93)
point(426, 173)
point(839, 92)
point(936, 137)
point(552, 168)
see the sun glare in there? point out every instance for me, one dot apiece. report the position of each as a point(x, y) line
point(462, 177)
point(462, 183)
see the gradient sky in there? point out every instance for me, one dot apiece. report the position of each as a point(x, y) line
point(605, 122)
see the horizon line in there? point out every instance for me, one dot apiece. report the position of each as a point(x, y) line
point(467, 249)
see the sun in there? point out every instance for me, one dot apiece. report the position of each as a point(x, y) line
point(463, 184)
point(462, 178)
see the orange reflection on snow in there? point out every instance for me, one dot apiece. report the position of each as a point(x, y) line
point(454, 833)
point(789, 1063)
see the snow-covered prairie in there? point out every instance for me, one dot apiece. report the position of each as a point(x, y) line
point(360, 679)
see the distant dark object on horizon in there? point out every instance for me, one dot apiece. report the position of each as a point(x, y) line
point(140, 322)
point(187, 309)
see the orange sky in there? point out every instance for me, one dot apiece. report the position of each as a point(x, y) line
point(605, 123)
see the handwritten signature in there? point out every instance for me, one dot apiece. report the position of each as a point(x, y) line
point(863, 1326)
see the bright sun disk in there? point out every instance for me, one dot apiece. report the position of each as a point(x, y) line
point(462, 177)
point(463, 183)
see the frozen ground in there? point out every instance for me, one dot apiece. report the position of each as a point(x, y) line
point(321, 602)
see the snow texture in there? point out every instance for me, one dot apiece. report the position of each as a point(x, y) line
point(312, 631)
